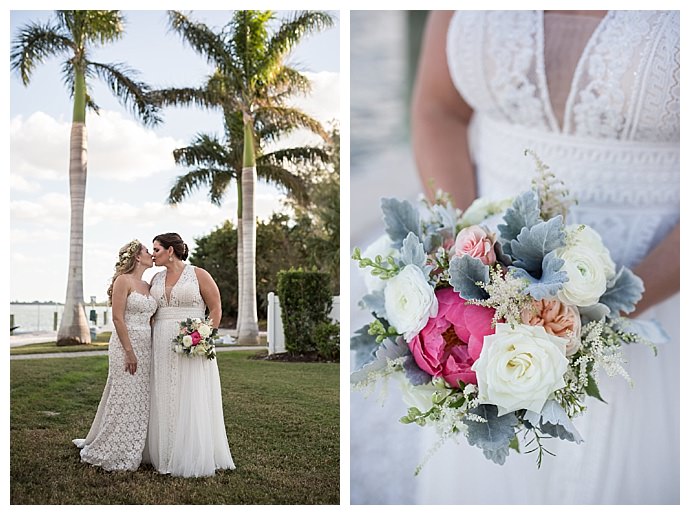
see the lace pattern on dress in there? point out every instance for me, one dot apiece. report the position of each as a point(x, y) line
point(618, 91)
point(117, 436)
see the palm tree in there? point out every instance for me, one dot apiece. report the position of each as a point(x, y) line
point(72, 34)
point(250, 79)
point(216, 164)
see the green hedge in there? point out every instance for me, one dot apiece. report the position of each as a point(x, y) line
point(306, 300)
point(327, 337)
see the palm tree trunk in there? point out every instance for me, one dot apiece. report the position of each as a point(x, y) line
point(74, 328)
point(240, 253)
point(249, 323)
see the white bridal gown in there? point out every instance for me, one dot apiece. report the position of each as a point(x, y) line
point(118, 433)
point(609, 128)
point(186, 427)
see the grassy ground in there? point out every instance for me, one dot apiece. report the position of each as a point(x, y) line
point(281, 420)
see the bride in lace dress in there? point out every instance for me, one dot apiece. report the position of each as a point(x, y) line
point(118, 433)
point(596, 95)
point(186, 427)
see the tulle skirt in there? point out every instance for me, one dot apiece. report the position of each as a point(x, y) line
point(186, 434)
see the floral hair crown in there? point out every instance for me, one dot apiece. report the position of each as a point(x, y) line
point(131, 249)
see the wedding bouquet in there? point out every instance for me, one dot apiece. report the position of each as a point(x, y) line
point(496, 321)
point(196, 338)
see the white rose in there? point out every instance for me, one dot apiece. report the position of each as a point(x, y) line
point(486, 212)
point(588, 237)
point(187, 341)
point(588, 265)
point(383, 247)
point(520, 367)
point(409, 301)
point(204, 330)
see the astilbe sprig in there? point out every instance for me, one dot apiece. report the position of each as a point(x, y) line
point(505, 296)
point(554, 197)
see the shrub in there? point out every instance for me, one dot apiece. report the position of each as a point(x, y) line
point(327, 337)
point(305, 302)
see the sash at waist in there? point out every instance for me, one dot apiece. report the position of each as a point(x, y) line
point(179, 313)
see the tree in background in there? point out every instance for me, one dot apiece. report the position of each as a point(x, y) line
point(72, 34)
point(251, 78)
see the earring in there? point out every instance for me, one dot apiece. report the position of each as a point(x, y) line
point(170, 259)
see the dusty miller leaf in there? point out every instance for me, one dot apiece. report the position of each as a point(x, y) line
point(400, 219)
point(412, 252)
point(465, 272)
point(493, 437)
point(523, 213)
point(364, 345)
point(624, 292)
point(554, 421)
point(551, 280)
point(414, 374)
point(535, 242)
point(388, 350)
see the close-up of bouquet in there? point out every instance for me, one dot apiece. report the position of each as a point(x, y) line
point(496, 321)
point(196, 338)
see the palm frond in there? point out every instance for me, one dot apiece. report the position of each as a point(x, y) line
point(133, 94)
point(291, 32)
point(204, 150)
point(276, 121)
point(34, 44)
point(200, 37)
point(186, 184)
point(184, 97)
point(272, 172)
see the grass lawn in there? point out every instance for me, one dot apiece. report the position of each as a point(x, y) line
point(282, 421)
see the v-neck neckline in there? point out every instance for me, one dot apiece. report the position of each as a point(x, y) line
point(172, 288)
point(541, 56)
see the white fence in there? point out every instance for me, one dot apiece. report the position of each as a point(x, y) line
point(275, 333)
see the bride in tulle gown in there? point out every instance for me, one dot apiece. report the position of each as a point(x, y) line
point(596, 95)
point(118, 433)
point(186, 432)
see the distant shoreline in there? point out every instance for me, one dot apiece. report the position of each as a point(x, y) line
point(50, 303)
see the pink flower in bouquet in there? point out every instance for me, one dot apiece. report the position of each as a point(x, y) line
point(196, 337)
point(452, 340)
point(476, 242)
point(556, 318)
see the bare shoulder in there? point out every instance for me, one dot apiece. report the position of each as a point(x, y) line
point(202, 275)
point(123, 282)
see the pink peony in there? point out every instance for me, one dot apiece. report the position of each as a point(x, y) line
point(476, 242)
point(196, 337)
point(451, 341)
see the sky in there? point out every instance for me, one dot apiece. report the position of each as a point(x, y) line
point(130, 167)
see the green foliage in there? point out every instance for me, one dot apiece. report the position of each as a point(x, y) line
point(327, 337)
point(305, 302)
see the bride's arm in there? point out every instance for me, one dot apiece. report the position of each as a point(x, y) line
point(211, 295)
point(660, 271)
point(121, 290)
point(439, 120)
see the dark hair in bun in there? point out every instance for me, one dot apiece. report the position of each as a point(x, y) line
point(172, 239)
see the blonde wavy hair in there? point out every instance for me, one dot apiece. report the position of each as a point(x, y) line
point(125, 263)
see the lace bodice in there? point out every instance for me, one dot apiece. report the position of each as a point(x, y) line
point(625, 85)
point(138, 311)
point(185, 293)
point(618, 147)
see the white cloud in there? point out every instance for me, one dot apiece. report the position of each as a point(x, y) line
point(49, 209)
point(19, 183)
point(118, 148)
